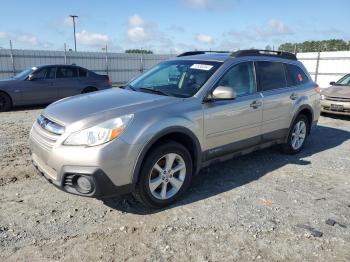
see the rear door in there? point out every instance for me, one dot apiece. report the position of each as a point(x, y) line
point(67, 81)
point(278, 99)
point(41, 89)
point(232, 125)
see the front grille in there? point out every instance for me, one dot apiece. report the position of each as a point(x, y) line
point(339, 99)
point(44, 138)
point(328, 108)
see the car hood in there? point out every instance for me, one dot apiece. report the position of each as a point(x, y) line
point(337, 91)
point(103, 105)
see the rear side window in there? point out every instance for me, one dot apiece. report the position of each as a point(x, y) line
point(296, 75)
point(82, 72)
point(271, 75)
point(66, 72)
point(51, 71)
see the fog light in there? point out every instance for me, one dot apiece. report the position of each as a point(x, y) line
point(84, 185)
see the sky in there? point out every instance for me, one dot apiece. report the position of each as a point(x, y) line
point(170, 26)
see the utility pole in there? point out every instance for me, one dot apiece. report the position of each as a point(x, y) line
point(12, 59)
point(75, 38)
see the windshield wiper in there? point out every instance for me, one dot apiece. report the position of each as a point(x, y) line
point(155, 91)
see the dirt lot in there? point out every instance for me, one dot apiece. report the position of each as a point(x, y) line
point(263, 206)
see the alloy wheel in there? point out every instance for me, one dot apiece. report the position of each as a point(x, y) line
point(167, 176)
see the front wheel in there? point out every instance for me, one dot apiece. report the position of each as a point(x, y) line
point(297, 135)
point(165, 175)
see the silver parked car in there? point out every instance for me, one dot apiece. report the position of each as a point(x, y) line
point(153, 135)
point(336, 98)
point(47, 83)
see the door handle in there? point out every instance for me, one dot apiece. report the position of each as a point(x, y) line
point(256, 104)
point(294, 96)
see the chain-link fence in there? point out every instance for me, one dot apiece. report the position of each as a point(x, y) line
point(119, 66)
point(323, 66)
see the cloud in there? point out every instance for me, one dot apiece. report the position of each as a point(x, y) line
point(204, 39)
point(28, 39)
point(3, 35)
point(273, 27)
point(92, 39)
point(197, 4)
point(67, 21)
point(137, 34)
point(176, 28)
point(137, 29)
point(135, 21)
point(222, 5)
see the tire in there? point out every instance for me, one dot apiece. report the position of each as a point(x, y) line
point(89, 90)
point(5, 102)
point(167, 186)
point(297, 136)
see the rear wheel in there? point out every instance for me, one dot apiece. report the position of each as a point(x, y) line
point(297, 135)
point(5, 102)
point(89, 90)
point(165, 175)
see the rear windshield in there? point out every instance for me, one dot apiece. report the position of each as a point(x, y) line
point(180, 78)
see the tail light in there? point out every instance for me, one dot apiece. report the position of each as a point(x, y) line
point(317, 88)
point(109, 81)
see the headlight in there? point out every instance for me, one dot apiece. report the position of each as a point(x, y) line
point(323, 97)
point(99, 134)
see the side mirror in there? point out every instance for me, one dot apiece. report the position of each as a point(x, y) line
point(332, 83)
point(222, 93)
point(31, 77)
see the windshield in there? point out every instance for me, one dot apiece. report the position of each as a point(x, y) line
point(175, 78)
point(344, 81)
point(25, 73)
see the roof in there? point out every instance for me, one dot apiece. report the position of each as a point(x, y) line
point(220, 57)
point(223, 56)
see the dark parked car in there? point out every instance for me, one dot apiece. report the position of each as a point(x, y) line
point(48, 83)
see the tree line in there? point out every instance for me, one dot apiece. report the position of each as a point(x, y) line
point(138, 51)
point(316, 46)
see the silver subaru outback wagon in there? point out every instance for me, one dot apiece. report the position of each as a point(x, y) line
point(153, 135)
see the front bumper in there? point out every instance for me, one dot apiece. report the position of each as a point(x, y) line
point(108, 167)
point(102, 186)
point(326, 106)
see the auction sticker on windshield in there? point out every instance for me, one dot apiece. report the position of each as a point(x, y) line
point(201, 67)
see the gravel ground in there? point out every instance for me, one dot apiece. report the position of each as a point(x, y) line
point(264, 206)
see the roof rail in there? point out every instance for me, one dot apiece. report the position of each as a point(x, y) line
point(256, 52)
point(200, 53)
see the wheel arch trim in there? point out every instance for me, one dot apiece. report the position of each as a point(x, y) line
point(167, 131)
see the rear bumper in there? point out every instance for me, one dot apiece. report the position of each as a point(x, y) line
point(327, 108)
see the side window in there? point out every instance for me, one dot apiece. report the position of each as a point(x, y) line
point(82, 72)
point(271, 75)
point(66, 72)
point(40, 74)
point(240, 78)
point(296, 74)
point(51, 72)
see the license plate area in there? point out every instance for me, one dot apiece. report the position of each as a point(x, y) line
point(335, 107)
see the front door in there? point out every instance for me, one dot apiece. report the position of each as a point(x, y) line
point(232, 125)
point(41, 89)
